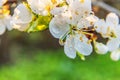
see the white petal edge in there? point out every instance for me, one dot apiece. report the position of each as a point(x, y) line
point(83, 46)
point(22, 14)
point(113, 44)
point(58, 27)
point(2, 29)
point(69, 47)
point(101, 48)
point(112, 18)
point(115, 55)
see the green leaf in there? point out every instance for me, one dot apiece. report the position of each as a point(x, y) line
point(39, 23)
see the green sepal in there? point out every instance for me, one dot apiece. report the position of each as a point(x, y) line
point(39, 23)
point(81, 56)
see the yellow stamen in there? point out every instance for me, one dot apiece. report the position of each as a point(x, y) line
point(41, 27)
point(89, 41)
point(48, 8)
point(76, 13)
point(82, 1)
point(4, 11)
point(81, 39)
point(54, 1)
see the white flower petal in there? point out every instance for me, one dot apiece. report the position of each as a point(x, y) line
point(92, 19)
point(84, 5)
point(58, 27)
point(22, 14)
point(82, 46)
point(99, 26)
point(36, 6)
point(69, 47)
point(115, 55)
point(58, 10)
point(101, 48)
point(117, 31)
point(113, 44)
point(69, 1)
point(2, 2)
point(7, 22)
point(21, 18)
point(20, 26)
point(102, 28)
point(42, 7)
point(112, 18)
point(83, 23)
point(2, 29)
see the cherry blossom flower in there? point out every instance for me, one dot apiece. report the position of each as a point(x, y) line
point(64, 25)
point(110, 29)
point(21, 18)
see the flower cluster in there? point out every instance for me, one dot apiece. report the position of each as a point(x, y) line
point(72, 22)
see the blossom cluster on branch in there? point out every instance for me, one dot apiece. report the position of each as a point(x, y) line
point(71, 21)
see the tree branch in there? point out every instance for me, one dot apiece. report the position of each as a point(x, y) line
point(106, 6)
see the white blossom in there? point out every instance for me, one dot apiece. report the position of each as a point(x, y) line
point(110, 29)
point(69, 22)
point(21, 18)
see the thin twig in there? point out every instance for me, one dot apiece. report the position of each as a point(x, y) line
point(106, 7)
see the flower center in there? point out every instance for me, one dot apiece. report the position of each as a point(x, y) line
point(54, 1)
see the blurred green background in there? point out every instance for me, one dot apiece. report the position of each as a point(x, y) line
point(38, 56)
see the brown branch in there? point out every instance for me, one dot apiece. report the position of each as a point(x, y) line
point(106, 6)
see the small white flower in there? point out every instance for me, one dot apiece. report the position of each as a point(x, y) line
point(75, 40)
point(110, 29)
point(113, 41)
point(115, 55)
point(21, 18)
point(68, 23)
